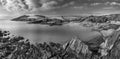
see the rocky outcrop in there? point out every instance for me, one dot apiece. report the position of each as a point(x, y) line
point(17, 47)
point(96, 48)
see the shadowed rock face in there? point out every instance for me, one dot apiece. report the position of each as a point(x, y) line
point(17, 47)
point(79, 47)
point(96, 48)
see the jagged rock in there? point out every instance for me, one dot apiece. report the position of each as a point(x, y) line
point(77, 46)
point(108, 32)
point(110, 44)
point(95, 48)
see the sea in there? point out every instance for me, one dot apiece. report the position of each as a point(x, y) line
point(38, 33)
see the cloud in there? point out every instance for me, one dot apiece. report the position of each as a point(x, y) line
point(95, 4)
point(108, 8)
point(30, 5)
point(49, 6)
point(16, 5)
point(68, 4)
point(55, 4)
point(106, 3)
point(112, 3)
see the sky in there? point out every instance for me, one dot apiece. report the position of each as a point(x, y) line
point(59, 7)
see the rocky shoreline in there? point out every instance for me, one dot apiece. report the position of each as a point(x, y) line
point(16, 47)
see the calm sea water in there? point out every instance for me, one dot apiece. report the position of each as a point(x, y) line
point(40, 33)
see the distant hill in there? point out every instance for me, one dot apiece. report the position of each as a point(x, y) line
point(29, 18)
point(115, 17)
point(41, 19)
